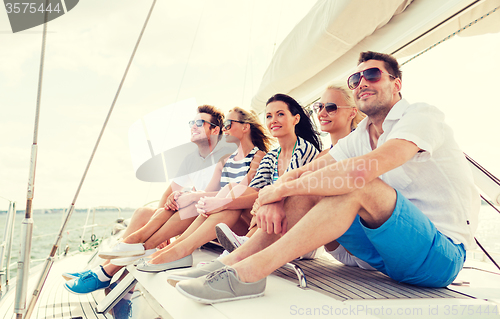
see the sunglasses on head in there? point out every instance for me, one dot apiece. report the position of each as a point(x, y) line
point(199, 123)
point(227, 124)
point(371, 75)
point(329, 107)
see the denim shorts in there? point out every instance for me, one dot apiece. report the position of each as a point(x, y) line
point(407, 247)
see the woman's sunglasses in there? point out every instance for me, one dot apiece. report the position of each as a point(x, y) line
point(371, 75)
point(329, 107)
point(227, 124)
point(199, 123)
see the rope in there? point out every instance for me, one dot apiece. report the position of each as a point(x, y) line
point(90, 246)
point(451, 35)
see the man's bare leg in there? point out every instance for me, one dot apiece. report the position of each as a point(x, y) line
point(140, 217)
point(296, 207)
point(153, 225)
point(172, 227)
point(325, 222)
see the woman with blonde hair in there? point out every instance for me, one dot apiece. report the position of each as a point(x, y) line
point(339, 116)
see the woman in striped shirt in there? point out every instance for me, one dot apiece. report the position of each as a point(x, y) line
point(298, 144)
point(243, 128)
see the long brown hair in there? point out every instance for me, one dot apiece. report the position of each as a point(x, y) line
point(258, 134)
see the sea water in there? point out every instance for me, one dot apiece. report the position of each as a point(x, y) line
point(46, 228)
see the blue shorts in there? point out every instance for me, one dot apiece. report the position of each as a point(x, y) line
point(407, 247)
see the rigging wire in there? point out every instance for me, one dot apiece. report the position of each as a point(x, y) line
point(490, 203)
point(452, 35)
point(495, 180)
point(190, 52)
point(486, 253)
point(180, 87)
point(278, 28)
point(483, 170)
point(50, 259)
point(6, 199)
point(248, 54)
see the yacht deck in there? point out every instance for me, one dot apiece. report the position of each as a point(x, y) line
point(333, 289)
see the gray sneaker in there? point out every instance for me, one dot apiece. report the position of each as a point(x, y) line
point(220, 286)
point(192, 273)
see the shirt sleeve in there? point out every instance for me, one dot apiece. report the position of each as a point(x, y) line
point(422, 125)
point(264, 174)
point(340, 151)
point(181, 177)
point(309, 154)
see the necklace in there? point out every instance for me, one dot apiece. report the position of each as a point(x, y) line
point(276, 175)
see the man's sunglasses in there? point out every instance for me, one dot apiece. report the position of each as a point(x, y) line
point(371, 75)
point(329, 107)
point(227, 124)
point(199, 123)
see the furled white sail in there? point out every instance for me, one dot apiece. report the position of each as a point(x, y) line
point(325, 45)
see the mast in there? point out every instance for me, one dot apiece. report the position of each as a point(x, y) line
point(23, 265)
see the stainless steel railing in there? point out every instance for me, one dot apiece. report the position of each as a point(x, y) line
point(6, 245)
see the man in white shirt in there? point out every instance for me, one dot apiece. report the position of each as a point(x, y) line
point(149, 225)
point(396, 193)
point(197, 168)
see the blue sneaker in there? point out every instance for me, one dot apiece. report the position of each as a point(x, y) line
point(74, 275)
point(86, 284)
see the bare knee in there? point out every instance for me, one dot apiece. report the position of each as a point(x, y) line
point(376, 200)
point(140, 217)
point(301, 202)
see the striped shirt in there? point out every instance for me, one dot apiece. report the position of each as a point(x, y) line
point(234, 171)
point(303, 154)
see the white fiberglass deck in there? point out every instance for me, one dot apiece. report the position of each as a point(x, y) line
point(54, 300)
point(333, 289)
point(364, 294)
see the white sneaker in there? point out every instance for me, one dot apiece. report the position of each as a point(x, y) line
point(229, 240)
point(122, 249)
point(312, 254)
point(129, 260)
point(224, 254)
